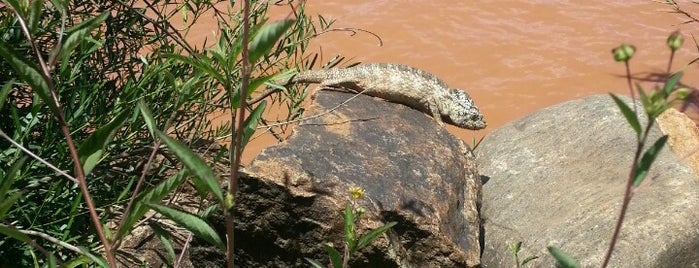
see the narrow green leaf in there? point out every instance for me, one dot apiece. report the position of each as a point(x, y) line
point(190, 222)
point(648, 159)
point(203, 174)
point(5, 91)
point(266, 38)
point(8, 202)
point(671, 83)
point(199, 63)
point(11, 176)
point(14, 233)
point(516, 247)
point(79, 261)
point(564, 260)
point(528, 259)
point(34, 16)
point(334, 255)
point(237, 47)
point(30, 74)
point(645, 100)
point(628, 113)
point(97, 259)
point(155, 195)
point(251, 122)
point(349, 226)
point(164, 238)
point(78, 33)
point(314, 263)
point(373, 234)
point(147, 117)
point(92, 149)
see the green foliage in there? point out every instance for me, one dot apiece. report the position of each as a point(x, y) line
point(654, 104)
point(515, 249)
point(121, 83)
point(353, 242)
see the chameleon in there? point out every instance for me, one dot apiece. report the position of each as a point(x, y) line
point(402, 84)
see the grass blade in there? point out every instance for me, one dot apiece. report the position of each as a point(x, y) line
point(629, 114)
point(191, 222)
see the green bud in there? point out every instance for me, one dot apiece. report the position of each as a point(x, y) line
point(683, 93)
point(674, 41)
point(623, 52)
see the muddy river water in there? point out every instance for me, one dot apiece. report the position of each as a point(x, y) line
point(513, 57)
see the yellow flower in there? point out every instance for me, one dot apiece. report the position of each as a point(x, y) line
point(356, 192)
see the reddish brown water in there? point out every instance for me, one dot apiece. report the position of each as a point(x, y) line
point(513, 57)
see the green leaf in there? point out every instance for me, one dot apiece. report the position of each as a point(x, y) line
point(564, 260)
point(147, 117)
point(251, 122)
point(8, 202)
point(266, 38)
point(190, 222)
point(203, 174)
point(4, 92)
point(97, 259)
point(30, 74)
point(14, 233)
point(155, 195)
point(92, 149)
point(11, 176)
point(79, 261)
point(314, 263)
point(628, 113)
point(516, 247)
point(648, 159)
point(34, 16)
point(200, 62)
point(164, 238)
point(77, 34)
point(528, 259)
point(334, 255)
point(349, 227)
point(373, 234)
point(671, 83)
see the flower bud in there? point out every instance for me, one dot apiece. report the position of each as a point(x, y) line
point(683, 93)
point(674, 41)
point(623, 52)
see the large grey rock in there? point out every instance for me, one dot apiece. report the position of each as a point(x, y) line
point(414, 172)
point(557, 178)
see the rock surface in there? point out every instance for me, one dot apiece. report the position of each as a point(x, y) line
point(684, 136)
point(557, 178)
point(413, 171)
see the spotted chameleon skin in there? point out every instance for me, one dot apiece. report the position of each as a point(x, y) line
point(402, 84)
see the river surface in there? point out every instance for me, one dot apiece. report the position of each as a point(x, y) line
point(512, 57)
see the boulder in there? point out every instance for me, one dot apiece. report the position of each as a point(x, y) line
point(557, 178)
point(412, 170)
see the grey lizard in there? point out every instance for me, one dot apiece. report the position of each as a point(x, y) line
point(401, 84)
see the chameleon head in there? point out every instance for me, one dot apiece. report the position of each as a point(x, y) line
point(464, 112)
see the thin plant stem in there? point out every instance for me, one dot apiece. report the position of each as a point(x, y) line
point(79, 173)
point(669, 64)
point(628, 80)
point(238, 144)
